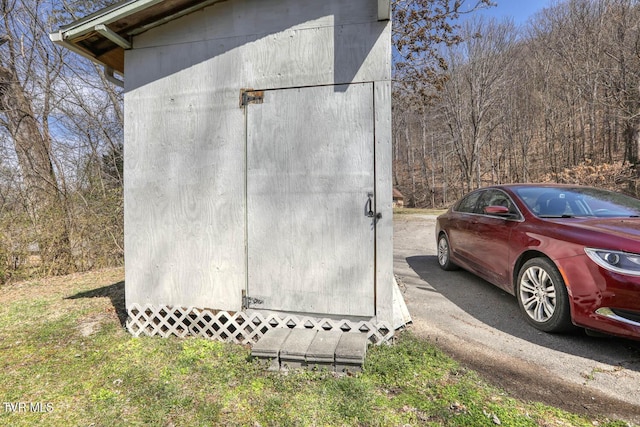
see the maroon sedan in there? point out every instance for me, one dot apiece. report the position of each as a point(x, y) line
point(570, 254)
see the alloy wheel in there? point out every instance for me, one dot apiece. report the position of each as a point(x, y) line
point(443, 251)
point(538, 294)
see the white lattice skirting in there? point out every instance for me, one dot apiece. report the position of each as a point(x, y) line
point(238, 327)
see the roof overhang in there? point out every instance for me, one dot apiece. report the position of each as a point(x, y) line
point(104, 35)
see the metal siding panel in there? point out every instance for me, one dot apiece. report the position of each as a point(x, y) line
point(310, 167)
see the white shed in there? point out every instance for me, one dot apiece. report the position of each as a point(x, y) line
point(257, 163)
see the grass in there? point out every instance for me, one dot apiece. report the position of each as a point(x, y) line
point(66, 361)
point(417, 211)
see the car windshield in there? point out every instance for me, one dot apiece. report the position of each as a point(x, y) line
point(567, 202)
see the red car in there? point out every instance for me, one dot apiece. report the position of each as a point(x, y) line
point(570, 254)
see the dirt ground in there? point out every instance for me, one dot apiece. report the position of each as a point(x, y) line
point(523, 381)
point(480, 326)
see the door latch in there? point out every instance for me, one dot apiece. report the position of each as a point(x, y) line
point(369, 213)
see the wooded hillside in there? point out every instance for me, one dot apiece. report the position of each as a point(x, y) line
point(555, 100)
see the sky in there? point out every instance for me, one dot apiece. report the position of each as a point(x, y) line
point(519, 10)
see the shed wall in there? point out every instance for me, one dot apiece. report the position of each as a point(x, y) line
point(185, 159)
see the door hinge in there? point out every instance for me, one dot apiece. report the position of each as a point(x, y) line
point(248, 301)
point(250, 96)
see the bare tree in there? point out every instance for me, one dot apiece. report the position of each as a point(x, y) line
point(622, 80)
point(25, 105)
point(420, 29)
point(558, 100)
point(474, 90)
point(61, 152)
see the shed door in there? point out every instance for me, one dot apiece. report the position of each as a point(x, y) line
point(310, 183)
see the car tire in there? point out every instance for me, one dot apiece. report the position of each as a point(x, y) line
point(542, 296)
point(444, 254)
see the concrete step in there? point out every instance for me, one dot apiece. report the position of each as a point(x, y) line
point(268, 347)
point(335, 351)
point(293, 352)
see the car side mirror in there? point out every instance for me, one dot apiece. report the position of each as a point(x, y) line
point(497, 210)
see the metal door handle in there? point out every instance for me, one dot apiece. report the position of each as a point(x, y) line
point(369, 206)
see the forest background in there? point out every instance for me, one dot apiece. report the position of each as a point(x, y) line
point(477, 101)
point(557, 99)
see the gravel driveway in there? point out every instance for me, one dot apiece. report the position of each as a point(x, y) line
point(481, 326)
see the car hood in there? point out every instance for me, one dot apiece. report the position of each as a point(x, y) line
point(624, 227)
point(625, 231)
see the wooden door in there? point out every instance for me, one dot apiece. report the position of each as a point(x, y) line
point(310, 186)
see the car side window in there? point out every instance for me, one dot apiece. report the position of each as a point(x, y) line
point(468, 204)
point(496, 198)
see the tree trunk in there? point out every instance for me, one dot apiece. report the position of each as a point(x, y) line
point(631, 143)
point(43, 201)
